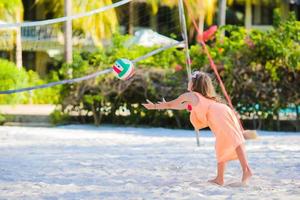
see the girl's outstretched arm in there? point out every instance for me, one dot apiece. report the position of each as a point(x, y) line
point(177, 104)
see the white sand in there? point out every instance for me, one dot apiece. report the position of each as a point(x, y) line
point(84, 162)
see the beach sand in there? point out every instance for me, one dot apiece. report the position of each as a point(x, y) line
point(110, 162)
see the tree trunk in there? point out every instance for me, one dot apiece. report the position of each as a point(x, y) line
point(18, 44)
point(255, 120)
point(12, 55)
point(297, 112)
point(277, 122)
point(222, 14)
point(248, 14)
point(254, 123)
point(131, 18)
point(257, 14)
point(68, 32)
point(284, 9)
point(153, 22)
point(259, 123)
point(177, 120)
point(81, 116)
point(95, 114)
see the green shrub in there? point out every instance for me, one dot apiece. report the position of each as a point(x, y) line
point(12, 78)
point(41, 96)
point(105, 96)
point(261, 71)
point(2, 119)
point(59, 118)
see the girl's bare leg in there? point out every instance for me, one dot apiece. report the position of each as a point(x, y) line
point(220, 177)
point(244, 163)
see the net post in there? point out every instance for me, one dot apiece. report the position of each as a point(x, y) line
point(185, 38)
point(186, 48)
point(197, 137)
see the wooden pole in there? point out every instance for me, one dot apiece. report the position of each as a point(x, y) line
point(222, 14)
point(19, 62)
point(131, 18)
point(68, 33)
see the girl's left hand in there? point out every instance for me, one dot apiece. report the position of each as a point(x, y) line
point(149, 105)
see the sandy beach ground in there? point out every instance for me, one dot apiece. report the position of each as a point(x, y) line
point(110, 162)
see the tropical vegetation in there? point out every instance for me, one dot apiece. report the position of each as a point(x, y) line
point(261, 71)
point(99, 26)
point(12, 11)
point(13, 78)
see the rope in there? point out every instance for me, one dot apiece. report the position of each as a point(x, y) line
point(70, 81)
point(63, 19)
point(214, 67)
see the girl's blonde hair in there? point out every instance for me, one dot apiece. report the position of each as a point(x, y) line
point(203, 84)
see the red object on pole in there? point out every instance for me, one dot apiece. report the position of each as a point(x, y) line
point(207, 35)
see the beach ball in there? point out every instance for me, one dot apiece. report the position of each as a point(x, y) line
point(123, 69)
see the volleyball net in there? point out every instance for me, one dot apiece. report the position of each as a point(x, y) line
point(93, 30)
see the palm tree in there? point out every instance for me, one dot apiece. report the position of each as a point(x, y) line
point(98, 26)
point(12, 11)
point(131, 17)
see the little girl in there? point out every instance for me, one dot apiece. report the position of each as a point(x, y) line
point(206, 109)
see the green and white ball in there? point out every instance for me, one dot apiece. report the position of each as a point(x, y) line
point(123, 69)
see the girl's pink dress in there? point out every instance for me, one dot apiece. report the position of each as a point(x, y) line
point(223, 123)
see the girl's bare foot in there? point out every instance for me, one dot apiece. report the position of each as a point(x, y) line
point(217, 181)
point(246, 176)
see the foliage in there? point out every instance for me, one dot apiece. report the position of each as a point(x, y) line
point(11, 11)
point(2, 119)
point(13, 78)
point(97, 26)
point(41, 96)
point(106, 98)
point(58, 118)
point(260, 70)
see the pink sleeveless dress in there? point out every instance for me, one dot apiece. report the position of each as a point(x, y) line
point(223, 123)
